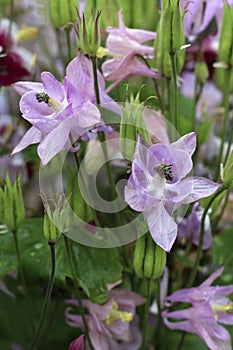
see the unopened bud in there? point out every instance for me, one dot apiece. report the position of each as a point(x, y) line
point(149, 258)
point(228, 172)
point(201, 72)
point(51, 232)
point(225, 53)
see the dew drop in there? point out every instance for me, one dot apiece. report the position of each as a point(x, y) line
point(26, 110)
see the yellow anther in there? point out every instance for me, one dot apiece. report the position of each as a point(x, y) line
point(114, 315)
point(102, 51)
point(222, 308)
point(27, 33)
point(55, 105)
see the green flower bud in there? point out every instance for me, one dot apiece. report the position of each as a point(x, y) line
point(149, 258)
point(88, 34)
point(51, 232)
point(1, 205)
point(132, 124)
point(225, 52)
point(228, 172)
point(62, 12)
point(18, 202)
point(9, 212)
point(171, 27)
point(201, 72)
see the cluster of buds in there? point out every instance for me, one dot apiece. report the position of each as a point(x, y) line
point(88, 34)
point(132, 124)
point(12, 211)
point(149, 258)
point(170, 38)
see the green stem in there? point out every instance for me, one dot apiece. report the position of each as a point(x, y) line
point(181, 342)
point(76, 287)
point(225, 119)
point(145, 318)
point(229, 144)
point(174, 108)
point(201, 238)
point(168, 105)
point(47, 296)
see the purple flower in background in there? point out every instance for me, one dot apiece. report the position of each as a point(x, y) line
point(55, 111)
point(190, 228)
point(157, 186)
point(109, 321)
point(78, 344)
point(124, 44)
point(209, 306)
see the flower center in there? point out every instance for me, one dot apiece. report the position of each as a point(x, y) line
point(165, 170)
point(114, 315)
point(228, 308)
point(55, 105)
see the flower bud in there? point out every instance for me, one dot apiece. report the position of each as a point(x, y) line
point(88, 34)
point(228, 172)
point(12, 213)
point(62, 12)
point(225, 53)
point(132, 124)
point(149, 258)
point(201, 72)
point(171, 27)
point(51, 232)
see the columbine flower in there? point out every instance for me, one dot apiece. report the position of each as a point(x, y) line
point(190, 228)
point(124, 44)
point(209, 306)
point(157, 188)
point(55, 111)
point(108, 321)
point(15, 61)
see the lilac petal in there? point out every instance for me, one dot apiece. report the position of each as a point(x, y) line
point(127, 298)
point(32, 136)
point(34, 111)
point(88, 115)
point(23, 86)
point(209, 339)
point(186, 143)
point(72, 94)
point(211, 278)
point(99, 341)
point(201, 188)
point(73, 320)
point(53, 143)
point(223, 291)
point(78, 344)
point(135, 197)
point(52, 86)
point(139, 176)
point(162, 227)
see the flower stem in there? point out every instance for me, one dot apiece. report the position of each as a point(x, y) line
point(145, 318)
point(47, 296)
point(225, 119)
point(174, 106)
point(76, 287)
point(201, 238)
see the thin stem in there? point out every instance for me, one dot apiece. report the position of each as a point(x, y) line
point(145, 318)
point(201, 238)
point(76, 287)
point(181, 342)
point(218, 218)
point(168, 105)
point(47, 296)
point(174, 108)
point(229, 144)
point(225, 119)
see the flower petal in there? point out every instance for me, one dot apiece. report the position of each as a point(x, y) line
point(32, 136)
point(201, 188)
point(52, 86)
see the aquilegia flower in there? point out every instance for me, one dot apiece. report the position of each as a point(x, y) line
point(157, 186)
point(209, 305)
point(55, 111)
point(124, 44)
point(109, 321)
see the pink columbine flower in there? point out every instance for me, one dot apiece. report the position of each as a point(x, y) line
point(209, 305)
point(55, 111)
point(157, 185)
point(124, 45)
point(110, 321)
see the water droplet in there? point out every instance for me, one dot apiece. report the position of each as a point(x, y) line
point(26, 110)
point(38, 246)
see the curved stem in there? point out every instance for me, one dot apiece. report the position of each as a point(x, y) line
point(76, 287)
point(47, 296)
point(201, 238)
point(145, 318)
